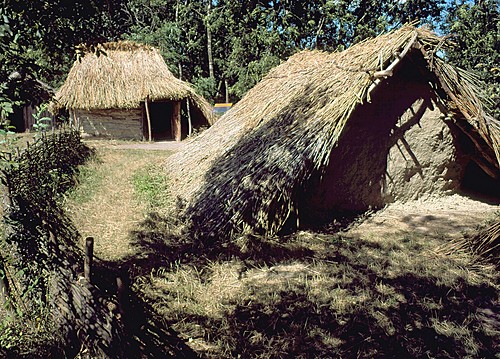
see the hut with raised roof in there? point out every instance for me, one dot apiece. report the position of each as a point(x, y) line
point(325, 134)
point(125, 90)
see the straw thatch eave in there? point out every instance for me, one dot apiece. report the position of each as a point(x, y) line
point(123, 75)
point(246, 171)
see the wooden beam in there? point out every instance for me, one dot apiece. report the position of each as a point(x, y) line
point(379, 75)
point(176, 121)
point(149, 118)
point(190, 123)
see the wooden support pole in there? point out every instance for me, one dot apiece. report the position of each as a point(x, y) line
point(120, 288)
point(89, 256)
point(176, 121)
point(190, 124)
point(149, 118)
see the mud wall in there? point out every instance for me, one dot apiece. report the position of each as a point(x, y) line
point(395, 148)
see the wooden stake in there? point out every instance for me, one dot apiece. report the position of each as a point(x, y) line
point(176, 121)
point(190, 124)
point(89, 256)
point(4, 287)
point(149, 119)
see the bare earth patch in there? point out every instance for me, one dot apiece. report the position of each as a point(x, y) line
point(447, 216)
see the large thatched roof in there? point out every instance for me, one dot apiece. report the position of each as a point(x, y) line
point(122, 75)
point(246, 171)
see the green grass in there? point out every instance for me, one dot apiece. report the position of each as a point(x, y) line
point(150, 185)
point(90, 177)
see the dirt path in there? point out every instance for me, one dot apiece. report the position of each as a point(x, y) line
point(109, 208)
point(157, 145)
point(448, 216)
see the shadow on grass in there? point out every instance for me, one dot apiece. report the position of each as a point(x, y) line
point(430, 320)
point(408, 315)
point(145, 334)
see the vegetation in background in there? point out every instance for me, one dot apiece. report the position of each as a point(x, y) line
point(225, 46)
point(475, 27)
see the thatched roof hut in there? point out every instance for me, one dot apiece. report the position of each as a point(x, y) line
point(125, 90)
point(328, 133)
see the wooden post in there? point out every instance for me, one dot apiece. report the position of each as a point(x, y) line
point(120, 288)
point(190, 124)
point(76, 123)
point(149, 118)
point(7, 208)
point(89, 256)
point(176, 121)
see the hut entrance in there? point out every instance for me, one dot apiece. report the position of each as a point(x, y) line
point(396, 147)
point(165, 121)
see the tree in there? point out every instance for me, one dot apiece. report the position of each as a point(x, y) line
point(475, 27)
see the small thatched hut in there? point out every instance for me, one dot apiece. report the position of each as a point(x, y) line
point(125, 90)
point(330, 133)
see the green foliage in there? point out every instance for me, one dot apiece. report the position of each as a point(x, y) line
point(247, 37)
point(35, 227)
point(7, 137)
point(36, 178)
point(476, 31)
point(42, 123)
point(205, 86)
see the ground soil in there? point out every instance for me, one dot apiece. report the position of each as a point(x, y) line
point(445, 216)
point(158, 145)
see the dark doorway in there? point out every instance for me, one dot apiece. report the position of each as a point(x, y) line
point(477, 184)
point(161, 115)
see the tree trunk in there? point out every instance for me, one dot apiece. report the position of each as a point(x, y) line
point(209, 43)
point(226, 85)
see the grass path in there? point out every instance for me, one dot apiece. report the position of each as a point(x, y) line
point(106, 205)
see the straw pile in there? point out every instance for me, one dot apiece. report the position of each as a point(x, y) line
point(122, 75)
point(484, 243)
point(247, 172)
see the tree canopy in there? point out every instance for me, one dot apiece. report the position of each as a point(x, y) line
point(225, 47)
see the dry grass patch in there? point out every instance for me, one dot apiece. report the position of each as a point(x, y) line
point(345, 296)
point(106, 204)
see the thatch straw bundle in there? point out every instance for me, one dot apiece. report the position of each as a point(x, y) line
point(484, 243)
point(122, 75)
point(248, 170)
